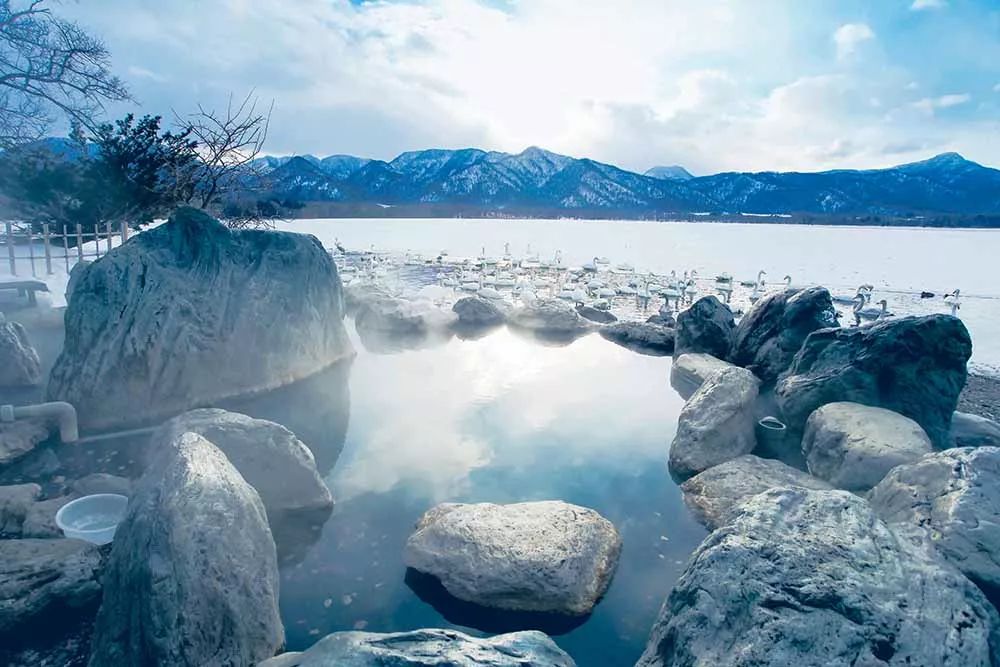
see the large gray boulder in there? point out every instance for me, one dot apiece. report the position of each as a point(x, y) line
point(45, 577)
point(688, 372)
point(267, 455)
point(19, 363)
point(427, 648)
point(707, 326)
point(595, 314)
point(955, 496)
point(475, 312)
point(649, 339)
point(193, 577)
point(40, 519)
point(552, 317)
point(717, 422)
point(15, 500)
point(715, 495)
point(19, 438)
point(969, 430)
point(544, 556)
point(190, 313)
point(915, 366)
point(768, 337)
point(853, 446)
point(806, 577)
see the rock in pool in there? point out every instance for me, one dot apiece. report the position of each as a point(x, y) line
point(475, 312)
point(768, 337)
point(268, 456)
point(809, 577)
point(427, 648)
point(190, 313)
point(915, 366)
point(717, 422)
point(595, 314)
point(19, 363)
point(973, 431)
point(688, 372)
point(101, 482)
point(15, 500)
point(19, 438)
point(650, 339)
point(707, 326)
point(401, 317)
point(955, 496)
point(544, 556)
point(663, 318)
point(718, 493)
point(41, 577)
point(193, 576)
point(853, 446)
point(551, 317)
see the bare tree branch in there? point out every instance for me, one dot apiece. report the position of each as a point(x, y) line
point(49, 66)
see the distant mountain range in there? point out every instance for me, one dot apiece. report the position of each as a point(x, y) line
point(539, 182)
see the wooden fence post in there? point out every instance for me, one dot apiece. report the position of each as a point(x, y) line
point(124, 231)
point(48, 249)
point(97, 241)
point(65, 235)
point(10, 248)
point(31, 252)
point(79, 242)
point(107, 234)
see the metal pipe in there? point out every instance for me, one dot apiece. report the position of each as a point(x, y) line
point(62, 412)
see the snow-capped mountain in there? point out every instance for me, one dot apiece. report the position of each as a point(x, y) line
point(539, 181)
point(673, 172)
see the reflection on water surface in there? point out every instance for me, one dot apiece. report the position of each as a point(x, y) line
point(499, 419)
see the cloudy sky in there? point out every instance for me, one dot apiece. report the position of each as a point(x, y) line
point(712, 85)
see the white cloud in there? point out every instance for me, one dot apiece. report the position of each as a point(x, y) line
point(929, 104)
point(996, 88)
point(848, 36)
point(919, 5)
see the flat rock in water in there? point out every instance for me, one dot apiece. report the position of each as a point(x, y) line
point(596, 314)
point(19, 363)
point(401, 317)
point(955, 495)
point(808, 577)
point(40, 577)
point(193, 576)
point(717, 423)
point(915, 366)
point(270, 458)
point(546, 556)
point(973, 431)
point(19, 437)
point(427, 648)
point(650, 339)
point(15, 500)
point(190, 313)
point(718, 493)
point(476, 312)
point(707, 326)
point(663, 318)
point(550, 316)
point(853, 446)
point(768, 337)
point(688, 371)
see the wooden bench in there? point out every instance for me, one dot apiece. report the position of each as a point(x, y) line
point(25, 287)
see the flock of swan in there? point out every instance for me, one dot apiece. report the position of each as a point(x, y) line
point(596, 283)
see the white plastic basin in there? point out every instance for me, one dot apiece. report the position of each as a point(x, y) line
point(93, 518)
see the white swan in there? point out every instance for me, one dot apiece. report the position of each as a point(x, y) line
point(953, 302)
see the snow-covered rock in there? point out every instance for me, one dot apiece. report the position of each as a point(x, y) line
point(19, 362)
point(969, 430)
point(688, 371)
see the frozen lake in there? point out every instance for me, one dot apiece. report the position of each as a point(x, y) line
point(900, 262)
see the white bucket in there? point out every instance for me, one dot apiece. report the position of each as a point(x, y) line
point(93, 518)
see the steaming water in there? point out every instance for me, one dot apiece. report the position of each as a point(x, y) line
point(499, 419)
point(900, 262)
